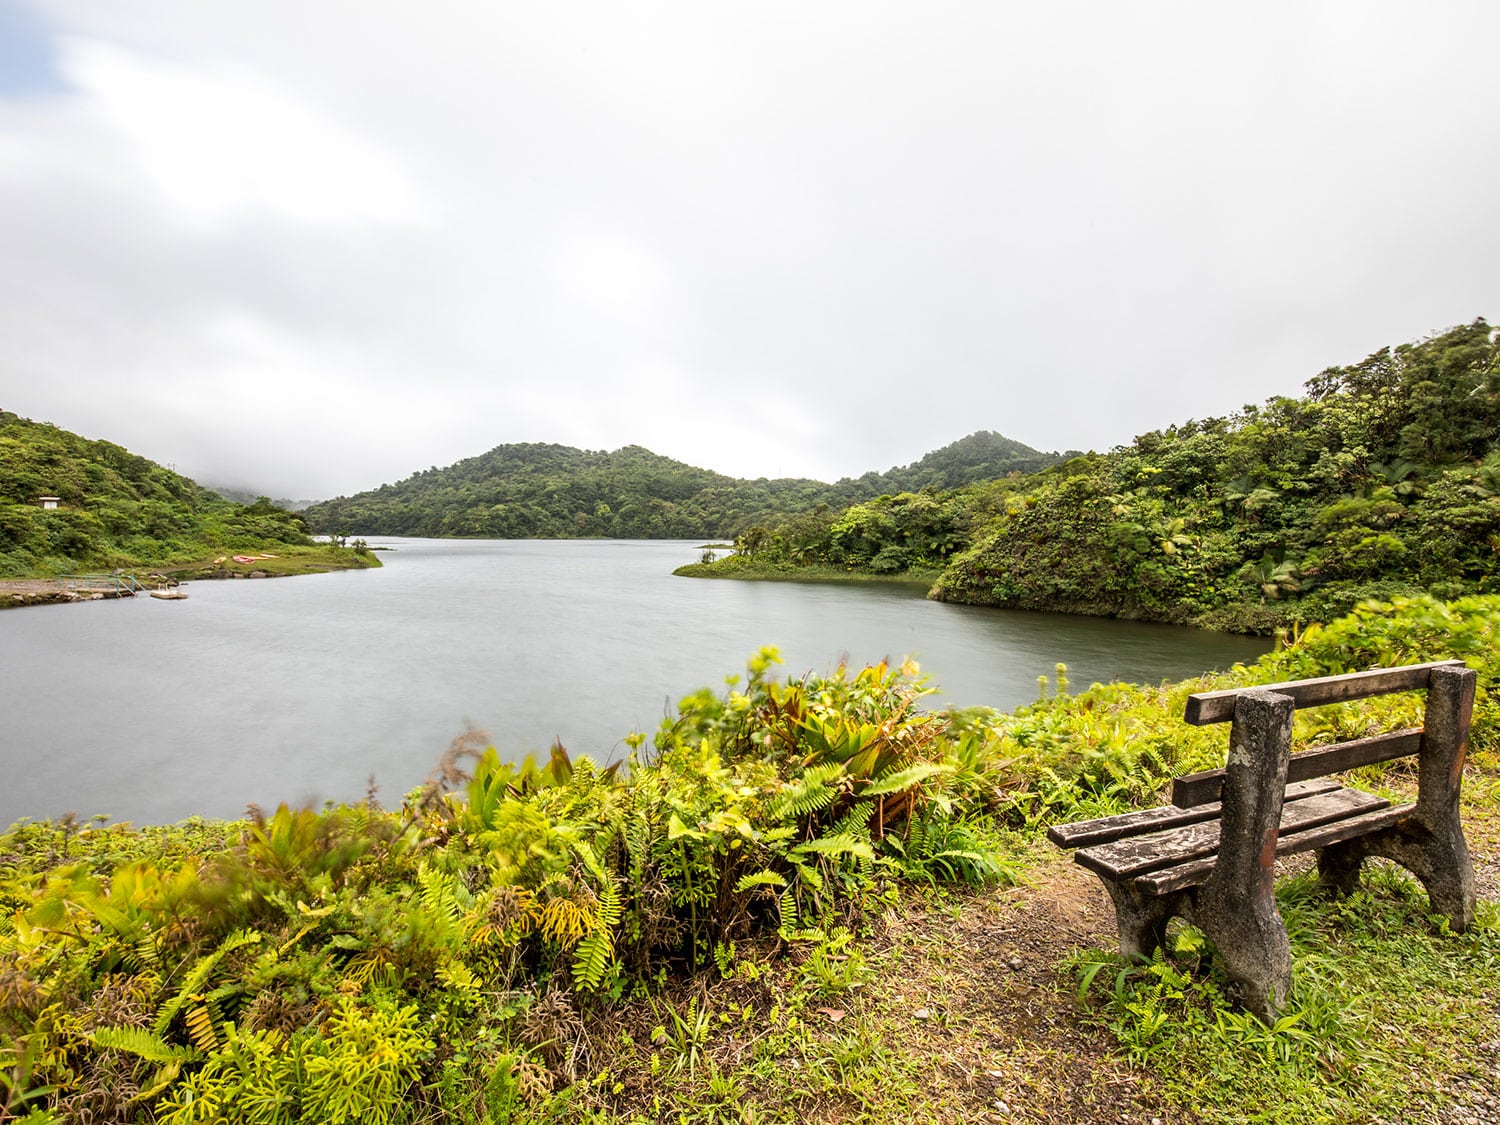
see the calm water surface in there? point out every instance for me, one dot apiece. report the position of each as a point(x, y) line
point(301, 689)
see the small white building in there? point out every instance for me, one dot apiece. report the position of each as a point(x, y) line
point(48, 501)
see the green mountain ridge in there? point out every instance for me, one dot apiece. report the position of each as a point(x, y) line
point(537, 490)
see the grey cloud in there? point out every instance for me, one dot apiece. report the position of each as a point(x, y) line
point(779, 238)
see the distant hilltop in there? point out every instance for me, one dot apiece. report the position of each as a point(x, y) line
point(539, 490)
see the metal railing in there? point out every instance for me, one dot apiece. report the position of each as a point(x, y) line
point(100, 583)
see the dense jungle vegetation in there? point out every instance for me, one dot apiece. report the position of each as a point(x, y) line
point(686, 937)
point(120, 510)
point(555, 491)
point(1383, 479)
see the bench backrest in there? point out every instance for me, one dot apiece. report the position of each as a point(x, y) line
point(1218, 706)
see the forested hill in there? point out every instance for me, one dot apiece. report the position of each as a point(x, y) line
point(1382, 480)
point(117, 509)
point(543, 491)
point(979, 457)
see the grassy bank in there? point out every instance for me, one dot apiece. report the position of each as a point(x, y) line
point(21, 592)
point(744, 567)
point(801, 900)
point(278, 562)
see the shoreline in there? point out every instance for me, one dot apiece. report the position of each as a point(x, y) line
point(928, 582)
point(16, 593)
point(812, 575)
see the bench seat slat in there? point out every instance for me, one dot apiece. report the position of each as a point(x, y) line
point(1190, 874)
point(1200, 788)
point(1086, 833)
point(1140, 855)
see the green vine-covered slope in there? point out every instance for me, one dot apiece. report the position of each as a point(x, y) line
point(120, 510)
point(1383, 479)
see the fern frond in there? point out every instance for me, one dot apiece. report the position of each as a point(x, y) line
point(596, 952)
point(856, 821)
point(146, 953)
point(787, 907)
point(808, 876)
point(589, 858)
point(918, 839)
point(592, 959)
point(443, 895)
point(199, 975)
point(760, 879)
point(807, 794)
point(458, 976)
point(165, 1075)
point(143, 1044)
point(609, 902)
point(835, 847)
point(200, 1026)
point(903, 779)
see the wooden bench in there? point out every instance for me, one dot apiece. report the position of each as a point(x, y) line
point(1210, 856)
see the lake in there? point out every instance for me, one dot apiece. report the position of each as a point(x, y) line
point(301, 689)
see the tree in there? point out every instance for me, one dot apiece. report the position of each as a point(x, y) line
point(752, 540)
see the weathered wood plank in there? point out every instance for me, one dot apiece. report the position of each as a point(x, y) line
point(1086, 833)
point(1138, 855)
point(1218, 706)
point(1194, 789)
point(1190, 874)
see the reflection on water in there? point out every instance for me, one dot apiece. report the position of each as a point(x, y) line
point(301, 689)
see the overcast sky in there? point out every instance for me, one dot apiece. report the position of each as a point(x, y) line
point(307, 248)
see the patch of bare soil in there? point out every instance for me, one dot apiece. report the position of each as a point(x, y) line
point(1005, 1038)
point(973, 1013)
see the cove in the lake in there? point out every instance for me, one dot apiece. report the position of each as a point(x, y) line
point(301, 689)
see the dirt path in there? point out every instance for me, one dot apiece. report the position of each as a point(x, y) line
point(968, 1015)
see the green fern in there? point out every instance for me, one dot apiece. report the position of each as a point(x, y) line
point(198, 977)
point(855, 822)
point(901, 780)
point(760, 879)
point(458, 976)
point(595, 954)
point(443, 895)
point(836, 847)
point(143, 1044)
point(587, 855)
point(810, 793)
point(791, 918)
point(807, 875)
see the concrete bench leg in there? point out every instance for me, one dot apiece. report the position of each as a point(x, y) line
point(1430, 842)
point(1433, 841)
point(1339, 864)
point(1142, 919)
point(1236, 906)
